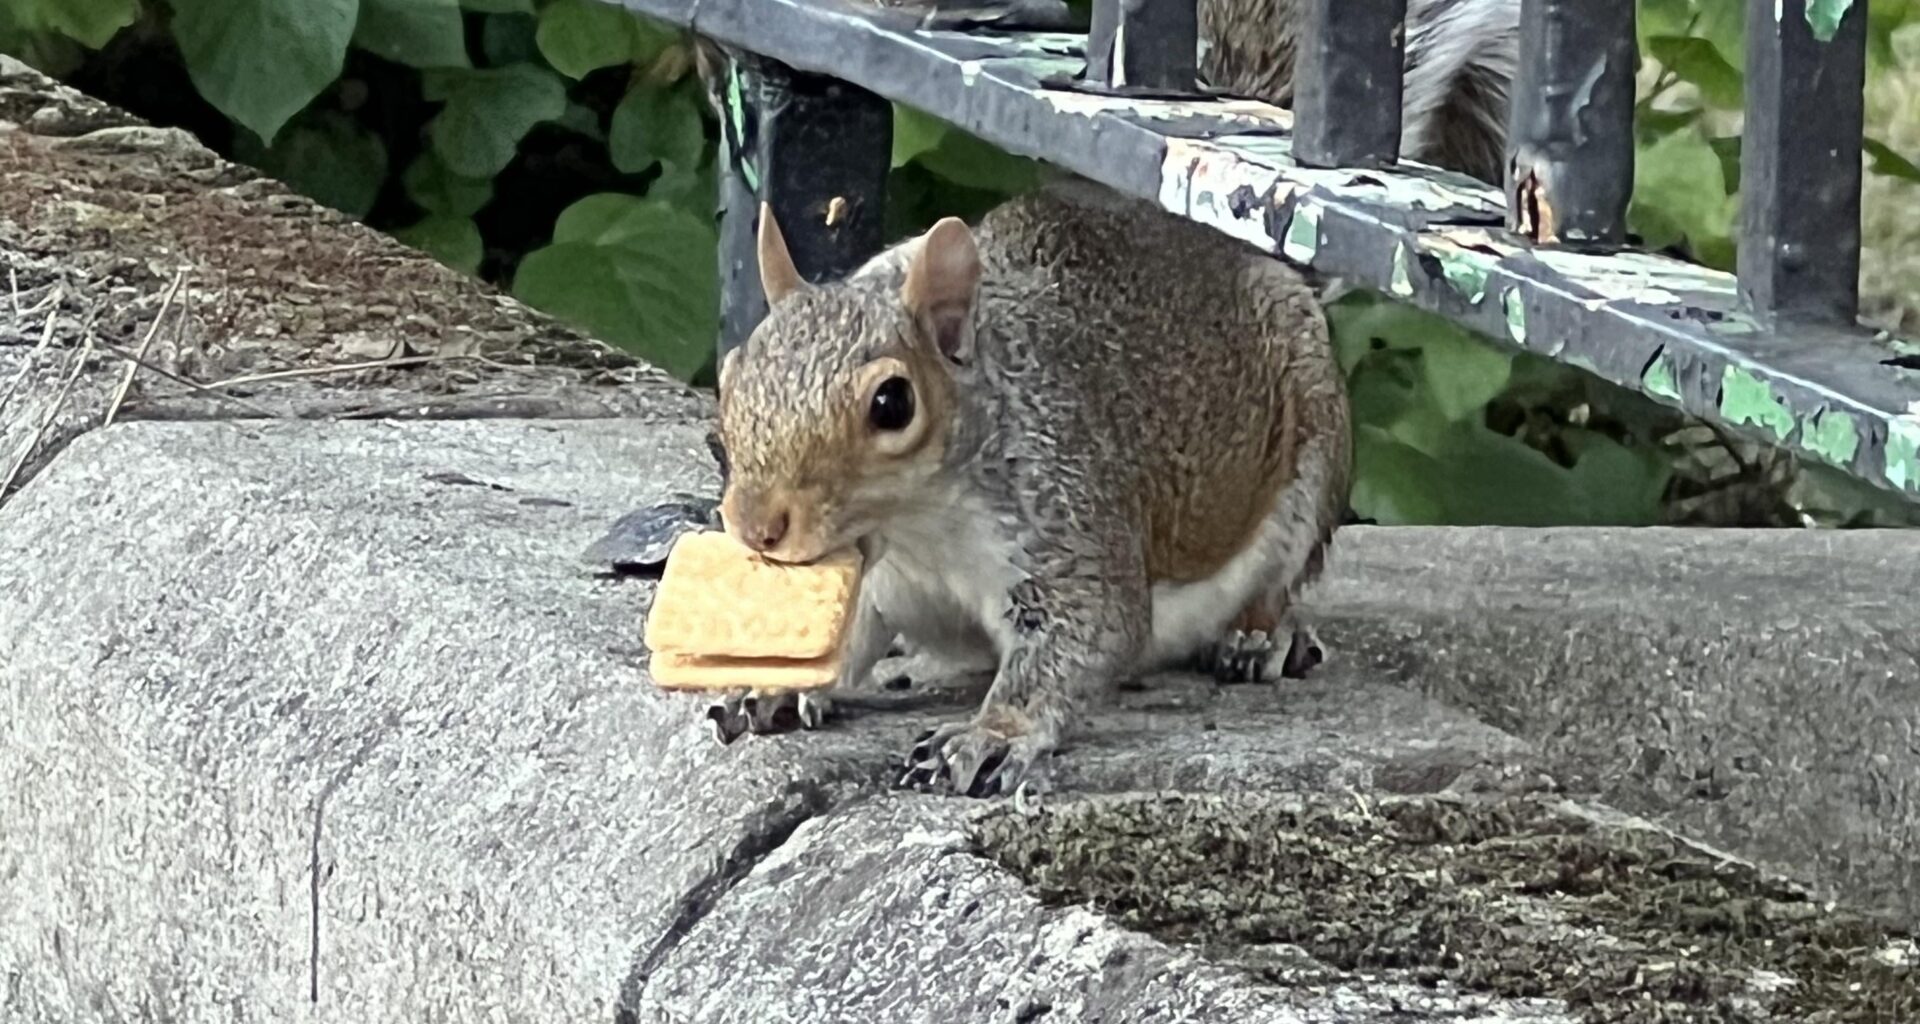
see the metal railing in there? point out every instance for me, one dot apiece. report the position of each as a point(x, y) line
point(1570, 159)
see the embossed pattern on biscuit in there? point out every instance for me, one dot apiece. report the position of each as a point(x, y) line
point(719, 599)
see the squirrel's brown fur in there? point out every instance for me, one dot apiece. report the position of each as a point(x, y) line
point(1129, 433)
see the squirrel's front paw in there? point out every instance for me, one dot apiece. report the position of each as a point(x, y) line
point(763, 715)
point(975, 759)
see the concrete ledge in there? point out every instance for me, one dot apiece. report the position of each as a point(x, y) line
point(1759, 689)
point(326, 722)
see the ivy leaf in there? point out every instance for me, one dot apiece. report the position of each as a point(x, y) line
point(1889, 163)
point(91, 23)
point(1613, 485)
point(438, 190)
point(657, 125)
point(1680, 192)
point(454, 241)
point(640, 273)
point(418, 33)
point(1699, 62)
point(261, 61)
point(499, 6)
point(579, 36)
point(1885, 18)
point(914, 133)
point(329, 157)
point(1394, 482)
point(971, 162)
point(1660, 18)
point(508, 39)
point(488, 113)
point(1462, 373)
point(1724, 24)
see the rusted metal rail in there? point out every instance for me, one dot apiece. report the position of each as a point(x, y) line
point(1542, 264)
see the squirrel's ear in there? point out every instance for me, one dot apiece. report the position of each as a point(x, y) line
point(941, 285)
point(778, 276)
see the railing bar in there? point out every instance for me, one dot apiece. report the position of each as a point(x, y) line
point(1150, 45)
point(1347, 83)
point(1800, 161)
point(1570, 151)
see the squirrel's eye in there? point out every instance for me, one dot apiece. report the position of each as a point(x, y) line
point(892, 405)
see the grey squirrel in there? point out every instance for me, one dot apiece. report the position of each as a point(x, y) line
point(1085, 440)
point(1461, 58)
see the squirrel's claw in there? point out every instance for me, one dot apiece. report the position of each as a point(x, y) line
point(746, 712)
point(972, 760)
point(1251, 657)
point(1242, 657)
point(1303, 653)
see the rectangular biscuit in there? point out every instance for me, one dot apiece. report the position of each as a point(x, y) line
point(702, 672)
point(718, 598)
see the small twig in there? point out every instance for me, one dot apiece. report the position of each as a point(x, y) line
point(326, 371)
point(13, 282)
point(33, 355)
point(53, 413)
point(189, 382)
point(140, 354)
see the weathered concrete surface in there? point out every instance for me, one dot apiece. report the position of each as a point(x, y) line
point(235, 655)
point(279, 307)
point(1758, 689)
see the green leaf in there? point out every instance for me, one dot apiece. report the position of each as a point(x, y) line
point(1884, 19)
point(579, 36)
point(1698, 61)
point(1492, 479)
point(1679, 191)
point(418, 33)
point(972, 162)
point(331, 158)
point(508, 39)
point(1724, 24)
point(439, 190)
point(499, 6)
point(1613, 485)
point(1463, 373)
point(454, 241)
point(1660, 18)
point(91, 23)
point(914, 133)
point(488, 113)
point(640, 273)
point(1889, 163)
point(1394, 482)
point(657, 125)
point(261, 61)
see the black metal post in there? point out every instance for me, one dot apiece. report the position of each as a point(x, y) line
point(1346, 88)
point(1800, 160)
point(1144, 44)
point(818, 150)
point(1570, 152)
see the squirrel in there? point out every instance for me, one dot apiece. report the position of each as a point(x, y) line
point(1081, 442)
point(1461, 57)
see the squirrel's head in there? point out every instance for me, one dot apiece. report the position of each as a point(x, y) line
point(837, 412)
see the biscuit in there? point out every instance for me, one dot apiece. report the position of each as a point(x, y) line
point(701, 672)
point(724, 617)
point(717, 597)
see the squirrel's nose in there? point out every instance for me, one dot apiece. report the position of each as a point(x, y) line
point(769, 532)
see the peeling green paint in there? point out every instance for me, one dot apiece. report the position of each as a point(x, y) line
point(1303, 235)
point(1467, 276)
point(737, 114)
point(1659, 380)
point(1516, 316)
point(1401, 283)
point(1745, 398)
point(1824, 17)
point(1832, 435)
point(1903, 453)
